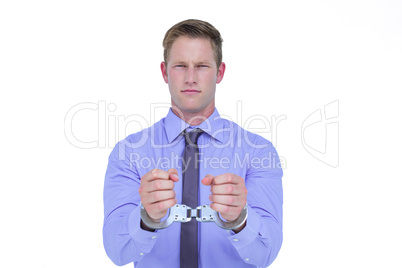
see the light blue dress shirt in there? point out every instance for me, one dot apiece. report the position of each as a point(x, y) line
point(225, 147)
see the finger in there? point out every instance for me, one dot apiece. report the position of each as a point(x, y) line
point(229, 213)
point(155, 197)
point(226, 189)
point(173, 174)
point(228, 178)
point(208, 180)
point(158, 210)
point(155, 174)
point(157, 185)
point(228, 200)
point(159, 196)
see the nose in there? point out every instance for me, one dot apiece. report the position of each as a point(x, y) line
point(191, 76)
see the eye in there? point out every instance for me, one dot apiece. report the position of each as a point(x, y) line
point(179, 66)
point(203, 66)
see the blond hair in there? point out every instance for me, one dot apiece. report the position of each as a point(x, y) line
point(194, 29)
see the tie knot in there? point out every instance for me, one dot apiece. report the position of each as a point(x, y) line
point(192, 136)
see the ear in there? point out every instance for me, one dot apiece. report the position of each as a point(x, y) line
point(164, 71)
point(221, 72)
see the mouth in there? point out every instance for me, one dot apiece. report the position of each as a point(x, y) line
point(190, 91)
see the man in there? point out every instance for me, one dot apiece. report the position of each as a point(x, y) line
point(236, 169)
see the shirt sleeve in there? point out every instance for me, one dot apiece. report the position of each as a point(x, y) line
point(124, 240)
point(261, 239)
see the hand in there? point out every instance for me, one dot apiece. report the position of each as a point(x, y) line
point(229, 195)
point(156, 192)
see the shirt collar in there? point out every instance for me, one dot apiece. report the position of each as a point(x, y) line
point(214, 125)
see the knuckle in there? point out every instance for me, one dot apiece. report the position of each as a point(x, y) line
point(154, 174)
point(229, 189)
point(156, 195)
point(161, 206)
point(158, 185)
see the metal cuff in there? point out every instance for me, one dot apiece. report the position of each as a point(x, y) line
point(183, 213)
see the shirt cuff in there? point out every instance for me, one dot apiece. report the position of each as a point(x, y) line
point(145, 240)
point(249, 233)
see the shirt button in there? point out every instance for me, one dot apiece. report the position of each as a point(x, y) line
point(141, 253)
point(235, 239)
point(247, 259)
point(153, 237)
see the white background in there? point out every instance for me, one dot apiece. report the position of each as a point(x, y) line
point(284, 58)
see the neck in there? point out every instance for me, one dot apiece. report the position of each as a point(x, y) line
point(194, 118)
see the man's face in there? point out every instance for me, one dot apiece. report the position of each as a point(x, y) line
point(192, 75)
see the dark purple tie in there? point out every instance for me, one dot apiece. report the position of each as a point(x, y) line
point(189, 230)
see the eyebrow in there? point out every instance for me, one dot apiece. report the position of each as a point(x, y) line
point(196, 63)
point(178, 62)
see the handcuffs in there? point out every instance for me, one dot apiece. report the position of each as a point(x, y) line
point(183, 213)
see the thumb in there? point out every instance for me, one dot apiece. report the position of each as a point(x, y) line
point(207, 180)
point(173, 175)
